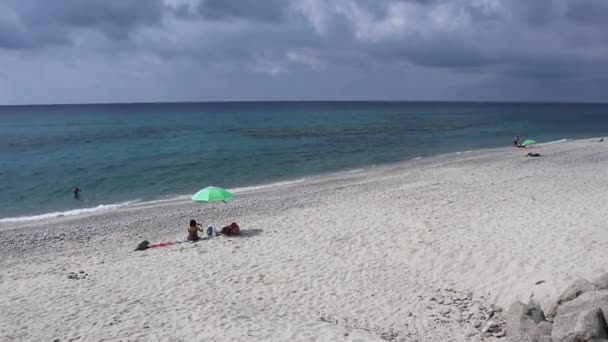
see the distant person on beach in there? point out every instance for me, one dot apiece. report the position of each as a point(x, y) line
point(516, 141)
point(76, 192)
point(193, 231)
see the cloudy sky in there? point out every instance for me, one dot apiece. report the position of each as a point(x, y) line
point(66, 51)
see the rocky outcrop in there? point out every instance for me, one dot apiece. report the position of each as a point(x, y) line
point(582, 319)
point(601, 282)
point(579, 314)
point(526, 323)
point(576, 289)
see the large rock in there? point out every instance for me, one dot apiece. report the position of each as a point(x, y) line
point(577, 288)
point(523, 324)
point(582, 319)
point(601, 282)
point(543, 332)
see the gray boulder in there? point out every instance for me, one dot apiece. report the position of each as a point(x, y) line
point(601, 282)
point(582, 319)
point(543, 332)
point(525, 323)
point(577, 288)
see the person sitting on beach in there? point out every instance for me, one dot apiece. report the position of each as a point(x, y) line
point(231, 230)
point(193, 231)
point(516, 141)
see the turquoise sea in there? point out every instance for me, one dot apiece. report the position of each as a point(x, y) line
point(135, 152)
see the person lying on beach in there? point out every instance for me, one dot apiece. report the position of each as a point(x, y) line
point(231, 230)
point(530, 154)
point(193, 231)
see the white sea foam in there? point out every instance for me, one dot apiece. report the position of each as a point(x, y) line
point(99, 208)
point(353, 171)
point(555, 142)
point(266, 186)
point(417, 158)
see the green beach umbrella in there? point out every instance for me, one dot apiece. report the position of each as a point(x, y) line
point(212, 194)
point(528, 142)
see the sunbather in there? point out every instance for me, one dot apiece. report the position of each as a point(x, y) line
point(193, 231)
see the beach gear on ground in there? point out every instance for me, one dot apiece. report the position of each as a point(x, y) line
point(211, 231)
point(147, 245)
point(142, 245)
point(231, 230)
point(528, 142)
point(161, 244)
point(212, 194)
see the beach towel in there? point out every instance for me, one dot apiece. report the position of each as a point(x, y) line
point(161, 244)
point(146, 245)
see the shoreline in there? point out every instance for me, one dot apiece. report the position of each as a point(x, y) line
point(108, 207)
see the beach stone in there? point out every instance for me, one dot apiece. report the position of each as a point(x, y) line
point(577, 288)
point(445, 311)
point(579, 326)
point(476, 323)
point(582, 319)
point(543, 332)
point(499, 334)
point(522, 321)
point(489, 326)
point(536, 313)
point(601, 282)
point(471, 332)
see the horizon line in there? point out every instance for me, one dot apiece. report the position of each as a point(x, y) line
point(301, 101)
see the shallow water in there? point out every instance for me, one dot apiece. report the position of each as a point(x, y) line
point(126, 152)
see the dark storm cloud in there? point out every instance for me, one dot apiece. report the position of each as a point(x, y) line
point(588, 12)
point(239, 48)
point(270, 10)
point(29, 23)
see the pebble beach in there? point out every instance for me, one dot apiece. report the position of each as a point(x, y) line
point(422, 250)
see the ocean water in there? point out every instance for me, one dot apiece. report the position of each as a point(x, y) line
point(136, 152)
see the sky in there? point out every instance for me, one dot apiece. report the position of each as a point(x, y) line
point(91, 51)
